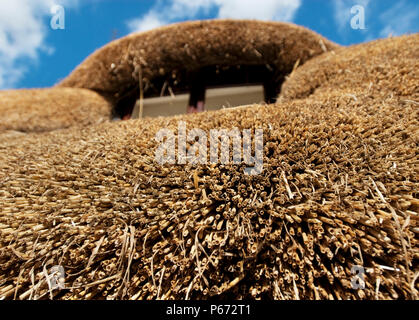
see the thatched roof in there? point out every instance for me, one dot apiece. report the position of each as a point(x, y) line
point(166, 53)
point(360, 67)
point(163, 56)
point(339, 188)
point(38, 110)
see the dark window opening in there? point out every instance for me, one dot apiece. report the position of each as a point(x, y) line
point(196, 82)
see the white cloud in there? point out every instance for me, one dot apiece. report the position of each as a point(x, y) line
point(23, 31)
point(175, 10)
point(264, 10)
point(150, 21)
point(399, 19)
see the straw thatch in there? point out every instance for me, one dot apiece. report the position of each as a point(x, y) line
point(38, 110)
point(168, 52)
point(339, 188)
point(359, 67)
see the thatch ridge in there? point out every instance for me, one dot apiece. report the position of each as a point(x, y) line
point(38, 110)
point(114, 69)
point(359, 67)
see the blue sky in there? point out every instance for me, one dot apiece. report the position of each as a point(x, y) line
point(33, 54)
